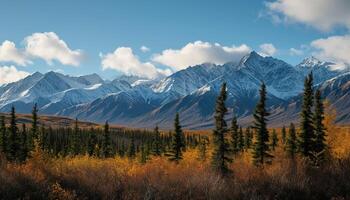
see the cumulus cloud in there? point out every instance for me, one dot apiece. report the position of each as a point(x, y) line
point(9, 53)
point(10, 74)
point(200, 52)
point(267, 49)
point(48, 46)
point(144, 49)
point(124, 60)
point(334, 48)
point(321, 14)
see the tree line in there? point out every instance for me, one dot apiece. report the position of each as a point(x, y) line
point(309, 143)
point(18, 143)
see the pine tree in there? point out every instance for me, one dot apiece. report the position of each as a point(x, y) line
point(132, 148)
point(274, 141)
point(203, 148)
point(291, 143)
point(306, 127)
point(284, 135)
point(24, 145)
point(107, 144)
point(240, 139)
point(156, 146)
point(320, 131)
point(261, 148)
point(14, 139)
point(74, 140)
point(34, 129)
point(3, 136)
point(248, 138)
point(144, 155)
point(92, 142)
point(175, 153)
point(221, 151)
point(234, 135)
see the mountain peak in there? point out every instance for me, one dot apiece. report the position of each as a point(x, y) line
point(310, 62)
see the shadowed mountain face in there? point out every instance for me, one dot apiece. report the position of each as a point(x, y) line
point(133, 101)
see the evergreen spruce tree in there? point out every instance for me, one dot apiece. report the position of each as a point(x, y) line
point(143, 156)
point(34, 129)
point(92, 142)
point(203, 148)
point(284, 135)
point(3, 136)
point(175, 153)
point(306, 140)
point(261, 147)
point(156, 146)
point(220, 158)
point(320, 131)
point(248, 138)
point(74, 140)
point(24, 145)
point(132, 148)
point(240, 139)
point(107, 143)
point(291, 143)
point(274, 140)
point(14, 138)
point(234, 135)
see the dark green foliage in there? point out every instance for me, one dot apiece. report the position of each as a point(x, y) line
point(175, 153)
point(248, 138)
point(306, 127)
point(240, 139)
point(291, 143)
point(74, 141)
point(274, 140)
point(284, 135)
point(3, 136)
point(24, 145)
point(234, 135)
point(33, 136)
point(320, 146)
point(92, 143)
point(132, 150)
point(14, 138)
point(107, 144)
point(203, 148)
point(261, 147)
point(221, 151)
point(156, 150)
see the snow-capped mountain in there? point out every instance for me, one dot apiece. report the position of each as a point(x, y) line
point(135, 101)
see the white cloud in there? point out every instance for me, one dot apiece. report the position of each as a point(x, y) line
point(267, 49)
point(9, 53)
point(200, 52)
point(144, 49)
point(334, 48)
point(10, 74)
point(321, 14)
point(48, 46)
point(123, 60)
point(295, 52)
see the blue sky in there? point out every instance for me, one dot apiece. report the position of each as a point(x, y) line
point(94, 30)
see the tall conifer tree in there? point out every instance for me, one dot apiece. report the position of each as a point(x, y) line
point(175, 153)
point(234, 135)
point(291, 143)
point(261, 149)
point(220, 158)
point(3, 135)
point(306, 140)
point(14, 139)
point(320, 131)
point(107, 144)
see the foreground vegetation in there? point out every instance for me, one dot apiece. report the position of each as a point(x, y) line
point(311, 161)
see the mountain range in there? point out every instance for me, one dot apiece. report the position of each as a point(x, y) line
point(138, 102)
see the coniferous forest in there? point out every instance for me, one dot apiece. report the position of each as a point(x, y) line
point(307, 160)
